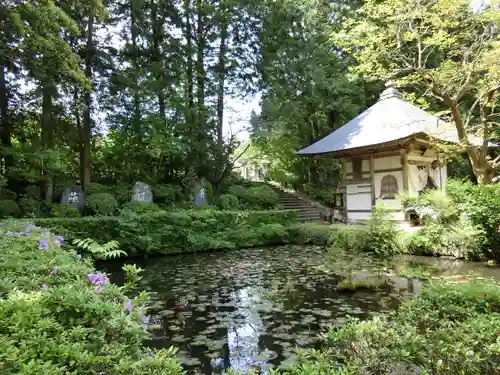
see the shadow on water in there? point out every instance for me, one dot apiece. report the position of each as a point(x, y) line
point(252, 308)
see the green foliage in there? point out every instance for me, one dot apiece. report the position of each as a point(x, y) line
point(140, 208)
point(107, 251)
point(30, 207)
point(6, 194)
point(481, 204)
point(96, 188)
point(461, 239)
point(167, 194)
point(228, 202)
point(431, 206)
point(179, 231)
point(32, 191)
point(443, 49)
point(260, 197)
point(54, 321)
point(64, 210)
point(101, 204)
point(9, 208)
point(448, 329)
point(381, 233)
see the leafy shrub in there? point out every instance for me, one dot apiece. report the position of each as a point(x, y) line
point(179, 231)
point(481, 203)
point(96, 188)
point(29, 207)
point(9, 208)
point(33, 191)
point(261, 197)
point(101, 204)
point(59, 316)
point(432, 206)
point(228, 202)
point(123, 193)
point(448, 329)
point(64, 210)
point(6, 194)
point(167, 194)
point(461, 240)
point(141, 208)
point(381, 236)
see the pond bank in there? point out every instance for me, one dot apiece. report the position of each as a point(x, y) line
point(253, 307)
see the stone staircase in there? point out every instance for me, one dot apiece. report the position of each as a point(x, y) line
point(306, 210)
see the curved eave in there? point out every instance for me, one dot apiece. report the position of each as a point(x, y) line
point(365, 149)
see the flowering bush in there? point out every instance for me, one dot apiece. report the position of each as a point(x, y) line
point(59, 316)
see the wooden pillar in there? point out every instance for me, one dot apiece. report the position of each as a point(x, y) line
point(372, 177)
point(404, 162)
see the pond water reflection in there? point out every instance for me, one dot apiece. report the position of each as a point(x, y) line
point(251, 308)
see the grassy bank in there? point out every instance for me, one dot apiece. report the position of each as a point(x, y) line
point(179, 231)
point(59, 316)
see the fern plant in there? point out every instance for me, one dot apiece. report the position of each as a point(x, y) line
point(107, 251)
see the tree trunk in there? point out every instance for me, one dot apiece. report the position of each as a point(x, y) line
point(5, 129)
point(221, 70)
point(47, 136)
point(480, 166)
point(136, 109)
point(86, 132)
point(189, 62)
point(200, 68)
point(157, 59)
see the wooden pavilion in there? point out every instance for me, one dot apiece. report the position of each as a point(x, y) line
point(387, 149)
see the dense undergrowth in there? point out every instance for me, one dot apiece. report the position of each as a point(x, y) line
point(448, 329)
point(59, 316)
point(179, 231)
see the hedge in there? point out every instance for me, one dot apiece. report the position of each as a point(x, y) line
point(179, 231)
point(58, 316)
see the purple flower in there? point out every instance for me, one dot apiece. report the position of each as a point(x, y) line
point(145, 319)
point(98, 289)
point(128, 307)
point(43, 244)
point(44, 286)
point(58, 240)
point(45, 234)
point(54, 271)
point(98, 279)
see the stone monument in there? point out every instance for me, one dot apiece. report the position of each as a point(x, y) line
point(142, 193)
point(74, 196)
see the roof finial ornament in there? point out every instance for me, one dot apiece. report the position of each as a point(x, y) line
point(391, 91)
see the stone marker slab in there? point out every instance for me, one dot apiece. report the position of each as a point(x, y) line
point(200, 196)
point(74, 196)
point(142, 193)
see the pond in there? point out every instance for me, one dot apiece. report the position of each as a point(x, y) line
point(251, 308)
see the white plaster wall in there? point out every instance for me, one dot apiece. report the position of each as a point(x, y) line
point(355, 216)
point(348, 167)
point(365, 166)
point(388, 162)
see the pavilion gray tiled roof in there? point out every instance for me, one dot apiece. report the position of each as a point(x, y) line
point(390, 119)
